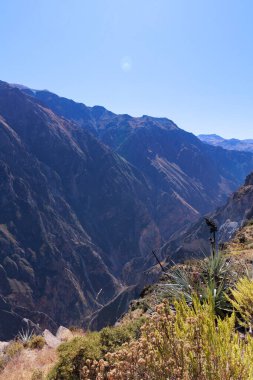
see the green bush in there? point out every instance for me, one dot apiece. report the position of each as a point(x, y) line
point(76, 330)
point(37, 342)
point(190, 343)
point(113, 337)
point(73, 356)
point(242, 301)
point(13, 349)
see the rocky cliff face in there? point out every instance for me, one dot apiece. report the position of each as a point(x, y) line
point(229, 218)
point(73, 214)
point(186, 177)
point(192, 243)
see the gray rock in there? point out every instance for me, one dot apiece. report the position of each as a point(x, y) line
point(3, 345)
point(64, 334)
point(51, 339)
point(227, 230)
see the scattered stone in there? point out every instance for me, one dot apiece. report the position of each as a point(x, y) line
point(64, 334)
point(3, 345)
point(51, 339)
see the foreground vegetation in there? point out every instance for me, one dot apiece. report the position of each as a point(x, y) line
point(202, 330)
point(195, 325)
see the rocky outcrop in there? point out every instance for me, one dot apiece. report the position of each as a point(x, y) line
point(11, 322)
point(64, 334)
point(229, 218)
point(51, 340)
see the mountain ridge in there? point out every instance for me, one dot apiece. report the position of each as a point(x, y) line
point(245, 145)
point(166, 155)
point(55, 215)
point(86, 198)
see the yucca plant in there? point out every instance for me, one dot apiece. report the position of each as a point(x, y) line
point(216, 268)
point(24, 336)
point(212, 277)
point(180, 284)
point(217, 276)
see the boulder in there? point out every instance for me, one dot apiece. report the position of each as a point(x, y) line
point(3, 346)
point(64, 334)
point(51, 339)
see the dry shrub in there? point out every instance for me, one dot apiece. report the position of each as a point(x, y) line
point(37, 342)
point(191, 343)
point(37, 375)
point(242, 301)
point(13, 349)
point(90, 349)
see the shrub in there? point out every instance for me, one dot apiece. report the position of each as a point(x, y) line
point(211, 277)
point(36, 342)
point(73, 356)
point(13, 349)
point(242, 239)
point(242, 301)
point(76, 330)
point(190, 344)
point(37, 375)
point(2, 363)
point(113, 337)
point(249, 222)
point(83, 355)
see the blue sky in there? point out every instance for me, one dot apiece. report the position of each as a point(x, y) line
point(188, 60)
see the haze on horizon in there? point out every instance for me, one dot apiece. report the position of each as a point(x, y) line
point(188, 60)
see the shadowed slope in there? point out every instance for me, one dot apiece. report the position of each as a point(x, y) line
point(73, 214)
point(187, 178)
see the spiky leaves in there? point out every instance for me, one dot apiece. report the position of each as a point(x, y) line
point(210, 278)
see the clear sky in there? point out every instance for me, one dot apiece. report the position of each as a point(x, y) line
point(188, 60)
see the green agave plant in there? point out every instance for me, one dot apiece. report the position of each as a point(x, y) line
point(212, 278)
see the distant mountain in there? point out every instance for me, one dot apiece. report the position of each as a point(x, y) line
point(186, 177)
point(85, 195)
point(229, 218)
point(230, 144)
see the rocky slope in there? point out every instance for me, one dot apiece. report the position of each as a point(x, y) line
point(230, 144)
point(186, 177)
point(192, 243)
point(85, 195)
point(229, 218)
point(73, 216)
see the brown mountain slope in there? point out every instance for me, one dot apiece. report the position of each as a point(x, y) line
point(73, 215)
point(187, 178)
point(229, 218)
